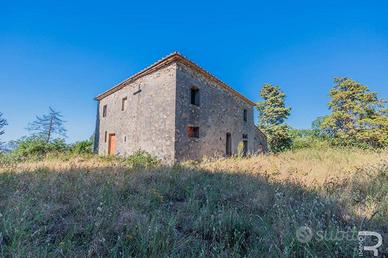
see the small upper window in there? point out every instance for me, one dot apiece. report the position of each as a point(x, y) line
point(123, 103)
point(245, 115)
point(104, 108)
point(245, 136)
point(193, 131)
point(105, 135)
point(195, 96)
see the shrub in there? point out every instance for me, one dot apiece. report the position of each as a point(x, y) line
point(6, 159)
point(82, 147)
point(306, 138)
point(240, 149)
point(37, 148)
point(58, 145)
point(142, 158)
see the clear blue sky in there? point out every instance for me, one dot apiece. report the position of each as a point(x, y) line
point(63, 53)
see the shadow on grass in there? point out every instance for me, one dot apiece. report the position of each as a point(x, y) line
point(172, 211)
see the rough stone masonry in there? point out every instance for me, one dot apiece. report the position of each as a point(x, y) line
point(176, 111)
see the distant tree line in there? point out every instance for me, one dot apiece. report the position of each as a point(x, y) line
point(47, 134)
point(358, 118)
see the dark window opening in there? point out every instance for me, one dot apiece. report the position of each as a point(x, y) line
point(245, 115)
point(104, 110)
point(125, 138)
point(228, 144)
point(123, 102)
point(193, 131)
point(245, 136)
point(106, 136)
point(195, 96)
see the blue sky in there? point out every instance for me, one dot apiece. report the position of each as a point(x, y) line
point(63, 53)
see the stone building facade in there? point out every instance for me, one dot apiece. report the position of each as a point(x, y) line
point(176, 111)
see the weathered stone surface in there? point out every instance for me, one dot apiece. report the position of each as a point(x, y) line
point(148, 120)
point(219, 113)
point(156, 117)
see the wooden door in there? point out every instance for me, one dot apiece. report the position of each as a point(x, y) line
point(112, 144)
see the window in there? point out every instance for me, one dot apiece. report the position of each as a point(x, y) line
point(193, 131)
point(245, 136)
point(106, 136)
point(123, 102)
point(195, 96)
point(104, 111)
point(245, 115)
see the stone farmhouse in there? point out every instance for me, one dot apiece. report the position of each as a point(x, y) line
point(176, 111)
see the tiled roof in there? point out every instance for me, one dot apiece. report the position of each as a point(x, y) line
point(174, 57)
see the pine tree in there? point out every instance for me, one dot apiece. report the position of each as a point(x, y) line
point(47, 126)
point(3, 123)
point(358, 116)
point(272, 116)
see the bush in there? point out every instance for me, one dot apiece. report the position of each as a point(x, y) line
point(37, 148)
point(305, 138)
point(279, 138)
point(142, 158)
point(7, 159)
point(82, 147)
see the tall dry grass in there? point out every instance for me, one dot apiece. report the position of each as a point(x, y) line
point(93, 206)
point(309, 167)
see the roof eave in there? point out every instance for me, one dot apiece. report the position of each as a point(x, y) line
point(166, 61)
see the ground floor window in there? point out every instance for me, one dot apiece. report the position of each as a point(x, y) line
point(193, 131)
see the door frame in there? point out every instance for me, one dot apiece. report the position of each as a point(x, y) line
point(110, 136)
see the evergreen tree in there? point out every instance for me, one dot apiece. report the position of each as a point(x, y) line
point(47, 126)
point(357, 117)
point(272, 115)
point(3, 123)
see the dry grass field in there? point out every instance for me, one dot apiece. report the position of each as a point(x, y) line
point(92, 206)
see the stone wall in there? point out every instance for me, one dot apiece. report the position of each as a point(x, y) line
point(219, 113)
point(148, 121)
point(158, 112)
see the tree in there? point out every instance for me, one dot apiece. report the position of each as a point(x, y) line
point(357, 115)
point(316, 127)
point(3, 123)
point(47, 126)
point(316, 124)
point(272, 116)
